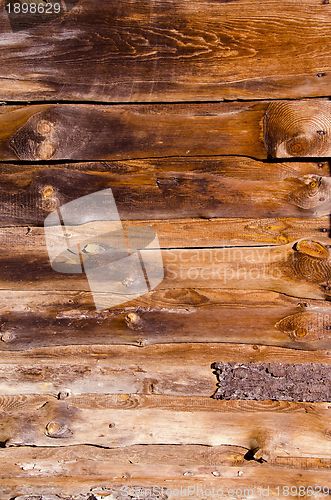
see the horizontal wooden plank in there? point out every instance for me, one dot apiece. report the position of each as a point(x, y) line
point(191, 233)
point(167, 50)
point(158, 469)
point(37, 319)
point(301, 270)
point(270, 427)
point(89, 132)
point(168, 369)
point(158, 189)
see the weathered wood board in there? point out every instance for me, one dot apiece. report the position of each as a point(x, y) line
point(210, 121)
point(79, 132)
point(164, 189)
point(125, 420)
point(169, 369)
point(167, 50)
point(35, 319)
point(156, 469)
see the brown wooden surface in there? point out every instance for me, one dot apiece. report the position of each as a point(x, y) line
point(172, 188)
point(128, 95)
point(36, 319)
point(78, 470)
point(167, 369)
point(90, 132)
point(191, 232)
point(126, 420)
point(302, 269)
point(167, 50)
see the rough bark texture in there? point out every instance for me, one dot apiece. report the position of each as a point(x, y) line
point(275, 381)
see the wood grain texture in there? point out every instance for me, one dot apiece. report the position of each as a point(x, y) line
point(302, 270)
point(168, 369)
point(274, 428)
point(37, 319)
point(89, 132)
point(191, 232)
point(167, 50)
point(83, 470)
point(164, 189)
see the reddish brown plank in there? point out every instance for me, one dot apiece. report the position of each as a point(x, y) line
point(88, 132)
point(167, 50)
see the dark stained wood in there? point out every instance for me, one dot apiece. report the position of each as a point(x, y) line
point(126, 420)
point(167, 50)
point(89, 132)
point(35, 319)
point(158, 189)
point(167, 369)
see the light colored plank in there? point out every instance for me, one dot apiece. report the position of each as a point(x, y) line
point(272, 428)
point(167, 369)
point(75, 470)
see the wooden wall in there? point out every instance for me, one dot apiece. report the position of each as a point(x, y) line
point(211, 122)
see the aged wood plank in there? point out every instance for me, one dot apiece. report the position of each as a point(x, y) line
point(78, 470)
point(191, 233)
point(269, 427)
point(167, 50)
point(165, 188)
point(37, 319)
point(168, 369)
point(88, 132)
point(302, 270)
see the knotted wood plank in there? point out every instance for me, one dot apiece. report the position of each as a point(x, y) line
point(302, 270)
point(164, 50)
point(168, 369)
point(88, 132)
point(35, 319)
point(156, 469)
point(271, 428)
point(159, 189)
point(190, 233)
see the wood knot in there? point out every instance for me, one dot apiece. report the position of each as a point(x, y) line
point(313, 192)
point(134, 321)
point(39, 137)
point(312, 249)
point(49, 199)
point(57, 430)
point(64, 394)
point(308, 326)
point(310, 262)
point(8, 336)
point(293, 129)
